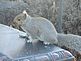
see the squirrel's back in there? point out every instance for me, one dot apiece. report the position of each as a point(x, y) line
point(42, 23)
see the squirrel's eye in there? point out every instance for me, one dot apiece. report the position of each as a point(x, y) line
point(18, 19)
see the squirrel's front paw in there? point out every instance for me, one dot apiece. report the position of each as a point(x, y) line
point(21, 36)
point(24, 35)
point(46, 43)
point(29, 41)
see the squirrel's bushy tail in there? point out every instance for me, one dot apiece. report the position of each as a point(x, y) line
point(69, 40)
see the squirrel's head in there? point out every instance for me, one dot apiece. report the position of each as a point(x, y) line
point(20, 18)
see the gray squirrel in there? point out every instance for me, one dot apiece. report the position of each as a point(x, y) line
point(38, 28)
point(42, 29)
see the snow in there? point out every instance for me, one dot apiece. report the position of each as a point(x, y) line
point(10, 42)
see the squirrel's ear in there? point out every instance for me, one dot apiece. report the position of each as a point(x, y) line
point(24, 12)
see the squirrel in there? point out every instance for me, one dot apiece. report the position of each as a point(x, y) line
point(42, 29)
point(38, 28)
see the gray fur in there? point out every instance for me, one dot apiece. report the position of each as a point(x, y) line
point(38, 28)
